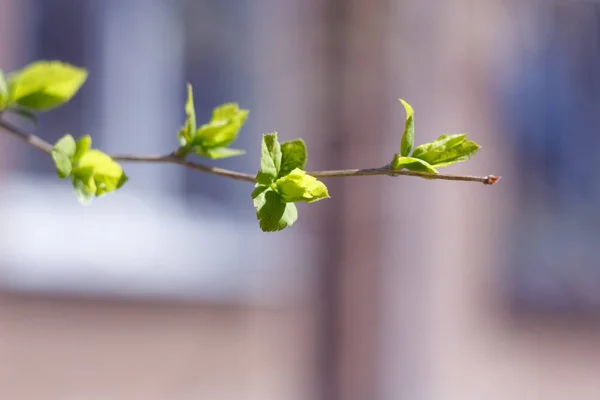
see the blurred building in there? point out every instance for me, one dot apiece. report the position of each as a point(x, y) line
point(394, 289)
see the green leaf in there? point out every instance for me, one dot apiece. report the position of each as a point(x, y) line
point(93, 173)
point(299, 186)
point(187, 132)
point(408, 137)
point(293, 155)
point(411, 164)
point(98, 173)
point(219, 152)
point(264, 179)
point(211, 140)
point(82, 146)
point(44, 85)
point(223, 128)
point(3, 92)
point(62, 154)
point(270, 159)
point(258, 190)
point(446, 150)
point(63, 164)
point(84, 184)
point(66, 145)
point(273, 213)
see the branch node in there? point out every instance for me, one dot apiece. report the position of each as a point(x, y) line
point(491, 179)
point(180, 153)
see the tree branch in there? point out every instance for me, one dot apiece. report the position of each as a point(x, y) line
point(171, 159)
point(46, 147)
point(33, 140)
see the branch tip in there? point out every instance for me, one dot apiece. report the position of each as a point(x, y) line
point(491, 179)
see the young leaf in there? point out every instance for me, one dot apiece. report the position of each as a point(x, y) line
point(408, 137)
point(92, 172)
point(411, 164)
point(293, 155)
point(446, 150)
point(44, 85)
point(273, 213)
point(84, 184)
point(219, 152)
point(62, 154)
point(223, 128)
point(187, 132)
point(258, 190)
point(3, 92)
point(263, 178)
point(81, 147)
point(107, 174)
point(270, 159)
point(299, 186)
point(66, 145)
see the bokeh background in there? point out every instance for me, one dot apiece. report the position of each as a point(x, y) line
point(394, 289)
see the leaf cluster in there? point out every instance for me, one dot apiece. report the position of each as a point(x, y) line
point(211, 140)
point(428, 157)
point(92, 172)
point(281, 182)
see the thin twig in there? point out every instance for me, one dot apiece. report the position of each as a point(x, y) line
point(486, 180)
point(171, 159)
point(33, 140)
point(46, 147)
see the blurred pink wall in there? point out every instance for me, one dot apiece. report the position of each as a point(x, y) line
point(417, 269)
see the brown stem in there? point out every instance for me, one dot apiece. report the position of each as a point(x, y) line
point(46, 147)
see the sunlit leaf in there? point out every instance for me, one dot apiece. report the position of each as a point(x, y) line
point(408, 137)
point(187, 132)
point(82, 146)
point(258, 190)
point(44, 85)
point(273, 213)
point(446, 150)
point(107, 174)
point(299, 186)
point(270, 160)
point(293, 155)
point(223, 128)
point(62, 154)
point(411, 164)
point(263, 178)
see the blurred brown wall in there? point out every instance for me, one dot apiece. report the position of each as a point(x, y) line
point(60, 348)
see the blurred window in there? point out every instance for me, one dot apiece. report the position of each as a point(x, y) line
point(552, 100)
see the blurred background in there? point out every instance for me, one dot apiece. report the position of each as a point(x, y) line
point(393, 289)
